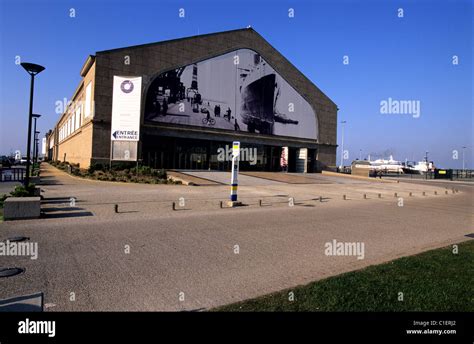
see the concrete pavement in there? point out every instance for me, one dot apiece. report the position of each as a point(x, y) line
point(7, 187)
point(149, 257)
point(224, 178)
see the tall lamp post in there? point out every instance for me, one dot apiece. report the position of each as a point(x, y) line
point(342, 144)
point(31, 69)
point(463, 148)
point(427, 164)
point(35, 157)
point(35, 147)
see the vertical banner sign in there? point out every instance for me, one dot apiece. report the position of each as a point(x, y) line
point(234, 183)
point(125, 128)
point(126, 108)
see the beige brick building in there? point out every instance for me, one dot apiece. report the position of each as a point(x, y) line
point(193, 101)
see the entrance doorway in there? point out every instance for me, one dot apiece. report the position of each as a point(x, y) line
point(292, 155)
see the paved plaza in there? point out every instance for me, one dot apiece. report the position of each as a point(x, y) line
point(147, 256)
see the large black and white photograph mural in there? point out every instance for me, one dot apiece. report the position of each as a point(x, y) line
point(236, 91)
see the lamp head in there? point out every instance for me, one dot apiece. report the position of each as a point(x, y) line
point(32, 68)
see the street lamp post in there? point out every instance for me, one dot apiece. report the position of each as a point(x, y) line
point(342, 144)
point(31, 69)
point(463, 148)
point(35, 157)
point(427, 164)
point(35, 147)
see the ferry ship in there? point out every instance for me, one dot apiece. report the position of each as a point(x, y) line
point(259, 94)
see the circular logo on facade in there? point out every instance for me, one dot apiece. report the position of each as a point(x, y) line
point(126, 86)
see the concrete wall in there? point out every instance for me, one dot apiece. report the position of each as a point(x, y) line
point(326, 156)
point(150, 60)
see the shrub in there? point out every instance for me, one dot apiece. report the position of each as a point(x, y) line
point(120, 171)
point(62, 165)
point(96, 167)
point(162, 174)
point(120, 166)
point(22, 191)
point(145, 170)
point(2, 199)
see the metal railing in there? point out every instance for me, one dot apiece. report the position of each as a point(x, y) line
point(462, 174)
point(12, 174)
point(450, 174)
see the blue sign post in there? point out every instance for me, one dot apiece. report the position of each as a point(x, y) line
point(234, 183)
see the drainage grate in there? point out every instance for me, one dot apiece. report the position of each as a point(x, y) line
point(9, 272)
point(18, 238)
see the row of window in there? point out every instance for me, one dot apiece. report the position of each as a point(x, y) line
point(71, 125)
point(74, 120)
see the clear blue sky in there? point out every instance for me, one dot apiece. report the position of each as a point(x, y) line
point(407, 58)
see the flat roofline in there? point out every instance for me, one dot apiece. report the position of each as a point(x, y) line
point(174, 40)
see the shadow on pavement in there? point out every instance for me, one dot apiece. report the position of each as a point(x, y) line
point(322, 199)
point(47, 180)
point(46, 215)
point(49, 183)
point(57, 200)
point(56, 209)
point(26, 303)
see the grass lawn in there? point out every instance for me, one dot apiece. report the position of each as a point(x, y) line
point(436, 280)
